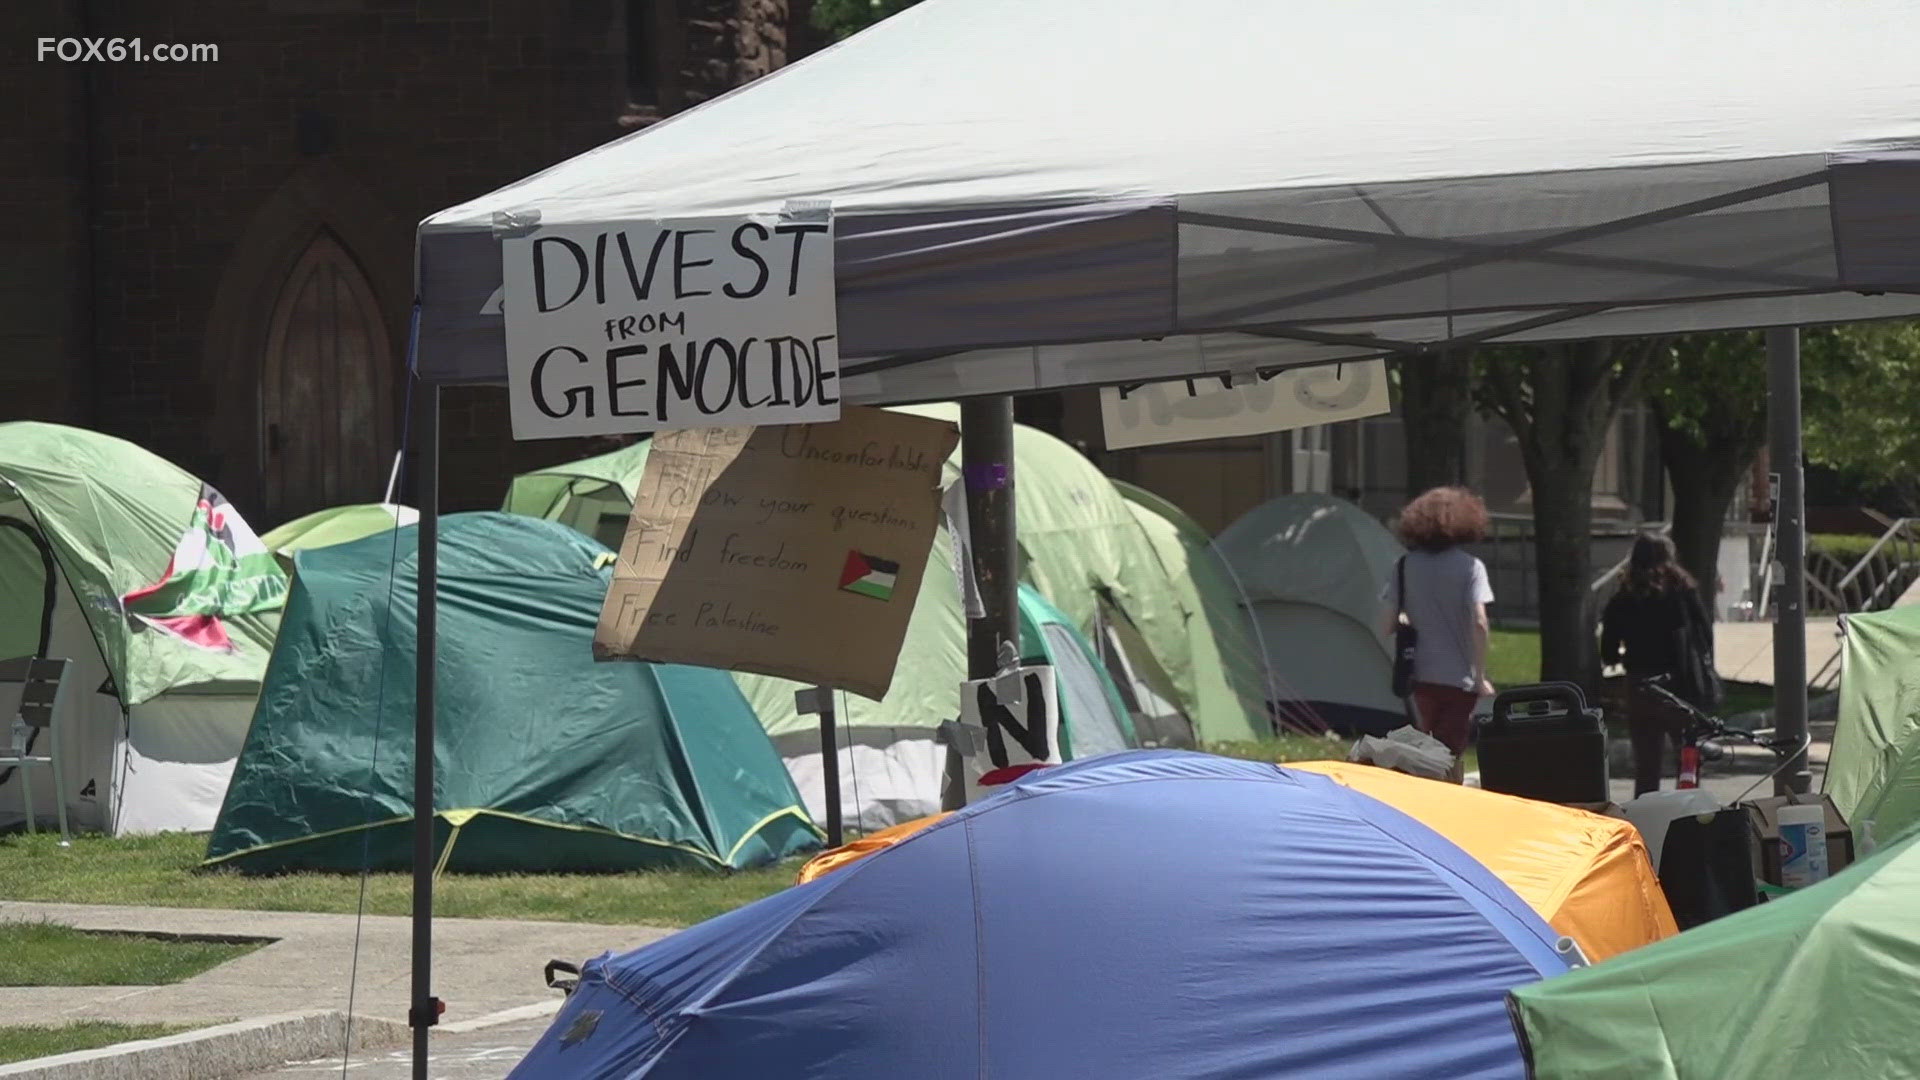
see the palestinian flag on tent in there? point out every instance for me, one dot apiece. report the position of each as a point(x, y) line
point(869, 575)
point(219, 569)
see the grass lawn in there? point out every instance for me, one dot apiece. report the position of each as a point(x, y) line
point(1284, 748)
point(162, 870)
point(24, 1043)
point(1513, 657)
point(48, 954)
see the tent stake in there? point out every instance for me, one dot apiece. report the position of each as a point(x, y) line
point(425, 1011)
point(1790, 523)
point(986, 464)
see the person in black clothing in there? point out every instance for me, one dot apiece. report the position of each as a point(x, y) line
point(1648, 620)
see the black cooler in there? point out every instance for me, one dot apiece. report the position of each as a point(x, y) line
point(1543, 742)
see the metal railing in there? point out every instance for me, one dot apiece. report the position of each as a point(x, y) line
point(1881, 575)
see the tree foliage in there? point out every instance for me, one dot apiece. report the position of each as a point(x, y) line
point(844, 18)
point(1712, 389)
point(1860, 398)
point(1860, 387)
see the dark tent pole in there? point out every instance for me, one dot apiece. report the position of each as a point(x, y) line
point(1790, 522)
point(986, 464)
point(425, 1011)
point(818, 700)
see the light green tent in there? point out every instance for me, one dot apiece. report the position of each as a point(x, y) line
point(594, 495)
point(1085, 551)
point(164, 602)
point(545, 758)
point(1229, 672)
point(336, 525)
point(1314, 568)
point(1873, 773)
point(1821, 983)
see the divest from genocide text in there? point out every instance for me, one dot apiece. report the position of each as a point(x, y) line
point(646, 326)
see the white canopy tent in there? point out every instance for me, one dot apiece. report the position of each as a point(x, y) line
point(1051, 193)
point(1035, 194)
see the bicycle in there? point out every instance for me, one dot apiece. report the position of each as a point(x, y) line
point(1703, 727)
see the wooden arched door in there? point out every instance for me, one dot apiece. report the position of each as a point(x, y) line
point(326, 388)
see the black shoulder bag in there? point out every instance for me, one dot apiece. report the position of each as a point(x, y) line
point(1406, 639)
point(1695, 678)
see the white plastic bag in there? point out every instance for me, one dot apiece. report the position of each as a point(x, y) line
point(1405, 749)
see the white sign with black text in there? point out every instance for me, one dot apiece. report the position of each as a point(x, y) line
point(1013, 722)
point(1215, 407)
point(653, 325)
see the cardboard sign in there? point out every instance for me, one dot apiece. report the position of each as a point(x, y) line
point(1009, 723)
point(656, 325)
point(790, 551)
point(1213, 407)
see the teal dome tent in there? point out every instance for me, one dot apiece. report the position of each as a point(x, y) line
point(545, 760)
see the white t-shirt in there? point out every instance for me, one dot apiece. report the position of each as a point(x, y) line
point(1442, 589)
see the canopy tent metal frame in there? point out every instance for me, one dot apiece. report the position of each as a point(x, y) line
point(1033, 230)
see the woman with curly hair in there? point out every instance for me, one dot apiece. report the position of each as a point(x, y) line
point(1446, 598)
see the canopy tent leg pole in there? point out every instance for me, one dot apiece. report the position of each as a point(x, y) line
point(425, 1011)
point(1790, 626)
point(986, 464)
point(818, 700)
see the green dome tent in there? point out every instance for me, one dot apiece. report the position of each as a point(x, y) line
point(1824, 982)
point(165, 604)
point(545, 760)
point(1314, 568)
point(594, 495)
point(336, 525)
point(1229, 671)
point(1873, 773)
point(1085, 551)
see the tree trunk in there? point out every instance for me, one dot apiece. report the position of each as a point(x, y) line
point(1436, 397)
point(1704, 480)
point(1563, 550)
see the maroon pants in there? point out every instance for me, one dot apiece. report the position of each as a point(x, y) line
point(1446, 712)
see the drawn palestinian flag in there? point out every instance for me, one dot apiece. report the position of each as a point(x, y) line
point(219, 569)
point(869, 575)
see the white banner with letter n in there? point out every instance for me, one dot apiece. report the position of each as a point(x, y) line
point(616, 327)
point(1011, 724)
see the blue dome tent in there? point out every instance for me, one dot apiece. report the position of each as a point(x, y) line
point(1149, 914)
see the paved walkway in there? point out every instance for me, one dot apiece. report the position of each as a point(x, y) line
point(481, 966)
point(1743, 651)
point(1744, 773)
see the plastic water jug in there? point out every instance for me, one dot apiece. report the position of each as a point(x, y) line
point(1803, 845)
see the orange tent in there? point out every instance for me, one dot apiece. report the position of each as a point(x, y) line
point(847, 854)
point(1587, 875)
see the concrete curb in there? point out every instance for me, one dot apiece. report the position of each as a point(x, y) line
point(504, 1016)
point(213, 1052)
